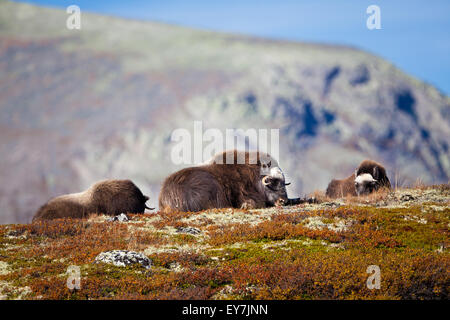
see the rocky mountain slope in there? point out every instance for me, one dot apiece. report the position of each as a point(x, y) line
point(102, 102)
point(326, 250)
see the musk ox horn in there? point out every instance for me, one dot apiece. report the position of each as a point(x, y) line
point(264, 180)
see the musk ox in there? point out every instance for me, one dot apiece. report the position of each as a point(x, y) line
point(109, 197)
point(264, 160)
point(368, 177)
point(221, 186)
point(377, 171)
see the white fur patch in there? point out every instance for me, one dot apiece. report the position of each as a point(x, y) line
point(276, 172)
point(365, 177)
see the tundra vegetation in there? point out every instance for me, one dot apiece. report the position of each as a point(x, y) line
point(334, 105)
point(309, 251)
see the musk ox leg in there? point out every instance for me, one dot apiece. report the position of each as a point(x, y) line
point(251, 201)
point(248, 204)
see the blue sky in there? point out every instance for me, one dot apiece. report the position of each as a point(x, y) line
point(415, 34)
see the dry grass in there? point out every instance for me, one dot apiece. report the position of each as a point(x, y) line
point(372, 198)
point(304, 252)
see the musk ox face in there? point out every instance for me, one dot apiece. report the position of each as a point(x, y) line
point(274, 190)
point(269, 165)
point(365, 184)
point(265, 167)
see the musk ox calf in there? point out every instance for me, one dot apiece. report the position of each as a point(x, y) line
point(221, 186)
point(109, 197)
point(368, 177)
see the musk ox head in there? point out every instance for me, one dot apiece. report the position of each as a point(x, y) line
point(376, 170)
point(274, 190)
point(267, 164)
point(265, 167)
point(365, 184)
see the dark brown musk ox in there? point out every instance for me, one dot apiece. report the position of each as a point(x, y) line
point(268, 166)
point(221, 186)
point(368, 177)
point(110, 197)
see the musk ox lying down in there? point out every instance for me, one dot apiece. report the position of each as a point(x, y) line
point(109, 197)
point(221, 186)
point(368, 177)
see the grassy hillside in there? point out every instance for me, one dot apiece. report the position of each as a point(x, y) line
point(310, 251)
point(102, 102)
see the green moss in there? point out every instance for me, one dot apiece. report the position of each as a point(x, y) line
point(279, 257)
point(184, 238)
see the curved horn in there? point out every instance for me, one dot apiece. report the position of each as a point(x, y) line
point(264, 180)
point(286, 184)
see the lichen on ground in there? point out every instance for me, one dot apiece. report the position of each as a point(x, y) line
point(309, 251)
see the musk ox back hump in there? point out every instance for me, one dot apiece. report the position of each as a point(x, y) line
point(192, 189)
point(113, 197)
point(261, 159)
